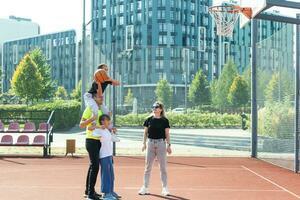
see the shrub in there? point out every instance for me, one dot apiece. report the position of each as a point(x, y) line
point(276, 120)
point(193, 120)
point(67, 113)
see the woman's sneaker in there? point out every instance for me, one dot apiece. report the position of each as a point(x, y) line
point(108, 197)
point(144, 191)
point(114, 138)
point(165, 191)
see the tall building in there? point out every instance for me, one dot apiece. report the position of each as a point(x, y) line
point(59, 49)
point(16, 27)
point(146, 40)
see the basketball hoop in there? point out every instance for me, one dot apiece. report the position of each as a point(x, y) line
point(225, 17)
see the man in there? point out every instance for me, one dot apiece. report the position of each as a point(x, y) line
point(93, 146)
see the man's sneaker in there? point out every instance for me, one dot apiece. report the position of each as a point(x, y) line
point(116, 195)
point(165, 191)
point(109, 197)
point(96, 194)
point(114, 138)
point(144, 191)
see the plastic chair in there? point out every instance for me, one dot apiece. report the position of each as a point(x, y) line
point(29, 127)
point(1, 126)
point(6, 140)
point(13, 127)
point(44, 127)
point(23, 140)
point(39, 140)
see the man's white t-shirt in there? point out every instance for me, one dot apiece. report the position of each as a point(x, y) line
point(106, 143)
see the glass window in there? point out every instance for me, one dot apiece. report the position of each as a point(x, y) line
point(48, 49)
point(129, 37)
point(121, 8)
point(201, 38)
point(139, 5)
point(15, 54)
point(139, 16)
point(121, 20)
point(104, 12)
point(104, 24)
point(226, 52)
point(162, 40)
point(159, 52)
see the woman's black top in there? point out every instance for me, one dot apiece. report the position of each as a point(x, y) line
point(156, 127)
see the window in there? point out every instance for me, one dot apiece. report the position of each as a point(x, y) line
point(161, 14)
point(226, 52)
point(104, 24)
point(48, 49)
point(162, 27)
point(162, 40)
point(201, 38)
point(103, 12)
point(122, 8)
point(129, 37)
point(139, 17)
point(159, 52)
point(15, 54)
point(139, 5)
point(159, 64)
point(121, 20)
point(186, 59)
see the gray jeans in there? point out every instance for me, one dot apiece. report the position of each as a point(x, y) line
point(156, 149)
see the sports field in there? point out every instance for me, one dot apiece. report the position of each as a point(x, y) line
point(62, 178)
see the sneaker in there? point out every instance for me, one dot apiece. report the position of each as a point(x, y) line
point(114, 138)
point(109, 197)
point(93, 197)
point(144, 191)
point(165, 191)
point(116, 195)
point(96, 194)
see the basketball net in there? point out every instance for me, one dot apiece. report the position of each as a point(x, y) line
point(225, 18)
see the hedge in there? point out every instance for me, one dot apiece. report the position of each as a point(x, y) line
point(67, 113)
point(194, 120)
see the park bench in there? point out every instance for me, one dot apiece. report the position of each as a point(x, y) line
point(28, 136)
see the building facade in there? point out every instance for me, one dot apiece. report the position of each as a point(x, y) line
point(59, 49)
point(16, 27)
point(147, 40)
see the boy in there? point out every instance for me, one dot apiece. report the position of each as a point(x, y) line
point(98, 87)
point(106, 158)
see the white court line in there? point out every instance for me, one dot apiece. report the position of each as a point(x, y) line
point(272, 182)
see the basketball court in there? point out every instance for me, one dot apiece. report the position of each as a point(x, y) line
point(189, 178)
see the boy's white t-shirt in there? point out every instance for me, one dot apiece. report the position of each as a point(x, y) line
point(106, 142)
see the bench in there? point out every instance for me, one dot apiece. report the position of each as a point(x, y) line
point(28, 136)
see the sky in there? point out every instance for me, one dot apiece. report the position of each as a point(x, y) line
point(51, 15)
point(55, 15)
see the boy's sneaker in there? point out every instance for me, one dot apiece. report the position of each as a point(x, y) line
point(144, 191)
point(116, 195)
point(93, 197)
point(109, 197)
point(114, 138)
point(165, 191)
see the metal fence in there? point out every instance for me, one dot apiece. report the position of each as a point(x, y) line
point(276, 98)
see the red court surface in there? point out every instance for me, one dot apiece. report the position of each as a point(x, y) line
point(189, 178)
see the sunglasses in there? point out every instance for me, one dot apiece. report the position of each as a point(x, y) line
point(155, 107)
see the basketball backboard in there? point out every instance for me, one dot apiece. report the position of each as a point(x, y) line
point(257, 7)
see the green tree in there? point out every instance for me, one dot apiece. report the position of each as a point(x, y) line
point(164, 92)
point(239, 92)
point(225, 80)
point(247, 76)
point(48, 85)
point(129, 98)
point(213, 90)
point(199, 92)
point(27, 80)
point(76, 93)
point(61, 93)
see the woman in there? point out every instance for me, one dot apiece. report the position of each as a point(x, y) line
point(157, 136)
